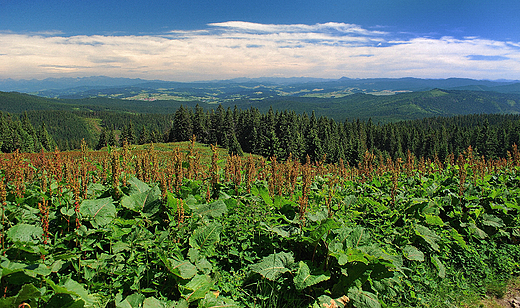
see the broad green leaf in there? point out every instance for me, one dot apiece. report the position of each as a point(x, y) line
point(412, 253)
point(428, 235)
point(173, 203)
point(319, 215)
point(205, 238)
point(352, 255)
point(37, 269)
point(79, 303)
point(204, 266)
point(64, 301)
point(477, 231)
point(117, 247)
point(352, 245)
point(212, 301)
point(180, 268)
point(458, 238)
point(323, 230)
point(430, 208)
point(196, 288)
point(274, 265)
point(28, 292)
point(131, 301)
point(184, 269)
point(74, 288)
point(214, 209)
point(364, 299)
point(99, 212)
point(327, 301)
point(261, 191)
point(95, 190)
point(440, 267)
point(358, 237)
point(152, 302)
point(147, 202)
point(67, 212)
point(492, 221)
point(136, 186)
point(304, 278)
point(282, 230)
point(8, 267)
point(191, 201)
point(495, 193)
point(350, 200)
point(512, 205)
point(434, 220)
point(25, 234)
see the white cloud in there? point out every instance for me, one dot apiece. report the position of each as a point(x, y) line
point(244, 49)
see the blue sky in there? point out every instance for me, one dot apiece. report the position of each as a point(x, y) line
point(202, 40)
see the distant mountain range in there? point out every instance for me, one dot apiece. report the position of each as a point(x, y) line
point(379, 108)
point(380, 99)
point(82, 87)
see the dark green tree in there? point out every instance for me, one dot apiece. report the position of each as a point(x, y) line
point(31, 137)
point(45, 139)
point(182, 125)
point(128, 134)
point(200, 124)
point(111, 138)
point(144, 136)
point(234, 147)
point(313, 142)
point(102, 142)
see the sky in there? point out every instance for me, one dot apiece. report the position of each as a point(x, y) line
point(191, 40)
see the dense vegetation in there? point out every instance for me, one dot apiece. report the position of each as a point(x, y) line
point(278, 134)
point(358, 213)
point(186, 226)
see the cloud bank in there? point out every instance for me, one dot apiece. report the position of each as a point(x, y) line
point(243, 49)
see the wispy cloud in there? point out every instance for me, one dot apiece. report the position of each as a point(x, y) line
point(238, 49)
point(487, 58)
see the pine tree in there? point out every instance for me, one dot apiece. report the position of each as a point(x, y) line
point(33, 143)
point(313, 142)
point(128, 134)
point(102, 142)
point(182, 125)
point(45, 139)
point(216, 119)
point(144, 136)
point(234, 147)
point(111, 138)
point(200, 124)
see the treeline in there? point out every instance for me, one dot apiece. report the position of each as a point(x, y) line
point(18, 133)
point(286, 133)
point(280, 133)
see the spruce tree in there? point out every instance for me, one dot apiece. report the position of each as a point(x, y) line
point(144, 136)
point(111, 138)
point(313, 142)
point(234, 147)
point(102, 142)
point(45, 138)
point(182, 125)
point(128, 134)
point(31, 132)
point(200, 124)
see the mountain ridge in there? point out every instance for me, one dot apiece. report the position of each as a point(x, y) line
point(379, 108)
point(406, 83)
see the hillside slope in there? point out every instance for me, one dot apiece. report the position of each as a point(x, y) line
point(388, 108)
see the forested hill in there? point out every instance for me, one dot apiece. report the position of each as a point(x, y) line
point(379, 108)
point(281, 133)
